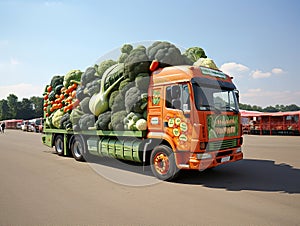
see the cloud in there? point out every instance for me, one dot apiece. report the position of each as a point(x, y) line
point(233, 68)
point(14, 61)
point(277, 71)
point(21, 90)
point(259, 74)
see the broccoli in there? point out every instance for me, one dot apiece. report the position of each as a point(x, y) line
point(56, 80)
point(88, 76)
point(103, 66)
point(80, 95)
point(92, 87)
point(165, 53)
point(135, 101)
point(137, 62)
point(126, 48)
point(194, 53)
point(130, 120)
point(142, 82)
point(125, 51)
point(86, 121)
point(65, 122)
point(103, 121)
point(125, 85)
point(84, 105)
point(112, 98)
point(119, 103)
point(72, 75)
point(117, 120)
point(75, 115)
point(123, 57)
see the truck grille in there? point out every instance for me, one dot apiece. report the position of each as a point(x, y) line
point(222, 144)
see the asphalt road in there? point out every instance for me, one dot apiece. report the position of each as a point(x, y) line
point(37, 187)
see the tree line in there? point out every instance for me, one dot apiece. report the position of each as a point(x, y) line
point(276, 108)
point(12, 108)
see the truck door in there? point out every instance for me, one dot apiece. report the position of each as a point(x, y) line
point(177, 115)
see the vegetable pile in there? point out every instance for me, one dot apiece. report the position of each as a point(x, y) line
point(112, 95)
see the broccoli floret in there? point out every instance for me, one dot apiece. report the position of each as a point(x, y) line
point(117, 120)
point(123, 57)
point(75, 115)
point(92, 87)
point(88, 75)
point(112, 98)
point(80, 95)
point(194, 53)
point(142, 82)
point(103, 121)
point(103, 66)
point(132, 98)
point(86, 121)
point(119, 103)
point(72, 75)
point(126, 48)
point(125, 85)
point(56, 80)
point(135, 101)
point(165, 53)
point(84, 105)
point(65, 122)
point(137, 62)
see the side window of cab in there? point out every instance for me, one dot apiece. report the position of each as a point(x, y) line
point(178, 97)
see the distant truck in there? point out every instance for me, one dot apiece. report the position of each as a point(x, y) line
point(192, 123)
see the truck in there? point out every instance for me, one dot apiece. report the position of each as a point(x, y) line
point(191, 122)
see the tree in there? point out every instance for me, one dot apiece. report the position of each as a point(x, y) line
point(4, 109)
point(12, 101)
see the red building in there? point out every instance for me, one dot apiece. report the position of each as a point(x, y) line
point(267, 123)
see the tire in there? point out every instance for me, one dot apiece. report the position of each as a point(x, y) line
point(78, 148)
point(163, 164)
point(59, 145)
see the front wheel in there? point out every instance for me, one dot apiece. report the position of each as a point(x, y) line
point(163, 163)
point(59, 145)
point(77, 148)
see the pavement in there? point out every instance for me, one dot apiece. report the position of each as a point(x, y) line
point(38, 187)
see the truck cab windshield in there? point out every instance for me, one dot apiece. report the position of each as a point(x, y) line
point(215, 99)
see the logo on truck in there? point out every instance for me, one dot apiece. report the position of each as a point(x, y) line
point(222, 126)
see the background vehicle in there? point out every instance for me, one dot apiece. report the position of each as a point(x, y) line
point(190, 119)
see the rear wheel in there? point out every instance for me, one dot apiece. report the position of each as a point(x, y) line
point(77, 148)
point(59, 145)
point(163, 163)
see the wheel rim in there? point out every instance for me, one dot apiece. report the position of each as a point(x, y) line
point(77, 149)
point(59, 146)
point(161, 163)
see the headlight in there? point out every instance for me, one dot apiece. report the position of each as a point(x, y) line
point(238, 150)
point(204, 156)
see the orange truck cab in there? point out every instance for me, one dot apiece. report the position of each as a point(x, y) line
point(193, 113)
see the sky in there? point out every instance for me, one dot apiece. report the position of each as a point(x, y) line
point(256, 42)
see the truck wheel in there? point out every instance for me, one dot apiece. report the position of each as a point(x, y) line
point(59, 145)
point(77, 148)
point(163, 163)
